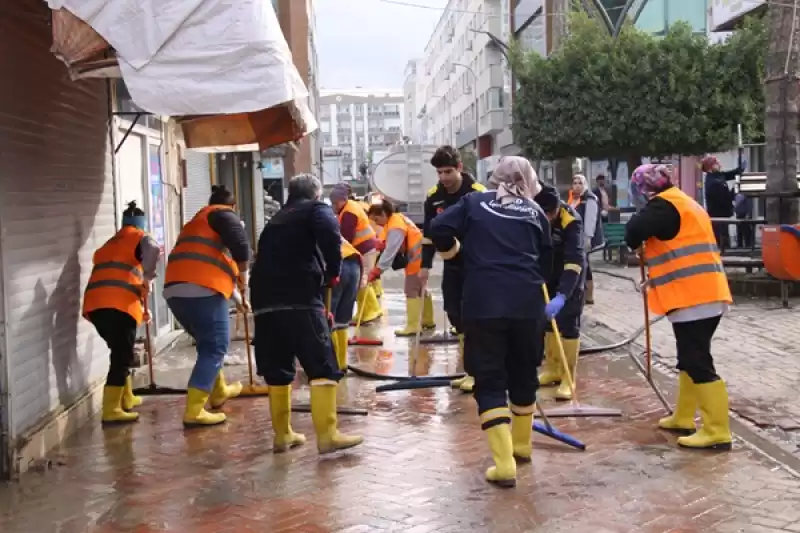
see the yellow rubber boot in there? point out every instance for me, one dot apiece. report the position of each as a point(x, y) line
point(222, 392)
point(129, 400)
point(339, 338)
point(504, 471)
point(428, 318)
point(715, 433)
point(456, 383)
point(522, 433)
point(280, 407)
point(112, 407)
point(372, 307)
point(196, 414)
point(682, 420)
point(551, 366)
point(571, 349)
point(413, 309)
point(323, 414)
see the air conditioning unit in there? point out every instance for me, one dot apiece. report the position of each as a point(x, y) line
point(450, 33)
point(469, 45)
point(467, 90)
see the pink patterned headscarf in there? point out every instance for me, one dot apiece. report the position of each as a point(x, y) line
point(515, 176)
point(648, 180)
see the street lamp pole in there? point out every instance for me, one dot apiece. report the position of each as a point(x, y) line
point(475, 94)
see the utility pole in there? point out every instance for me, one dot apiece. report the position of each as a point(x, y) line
point(782, 102)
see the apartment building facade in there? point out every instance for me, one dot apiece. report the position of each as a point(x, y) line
point(413, 91)
point(466, 101)
point(354, 124)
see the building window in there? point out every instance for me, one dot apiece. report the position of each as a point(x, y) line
point(653, 17)
point(691, 11)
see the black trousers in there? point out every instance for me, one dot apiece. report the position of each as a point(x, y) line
point(452, 288)
point(744, 235)
point(722, 234)
point(503, 356)
point(301, 334)
point(693, 340)
point(568, 319)
point(118, 329)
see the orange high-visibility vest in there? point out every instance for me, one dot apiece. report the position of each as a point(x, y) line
point(364, 231)
point(200, 258)
point(412, 245)
point(117, 279)
point(687, 270)
point(348, 249)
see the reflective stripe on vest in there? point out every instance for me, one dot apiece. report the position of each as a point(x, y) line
point(200, 257)
point(135, 289)
point(687, 270)
point(364, 230)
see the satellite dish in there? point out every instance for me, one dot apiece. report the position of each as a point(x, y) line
point(406, 174)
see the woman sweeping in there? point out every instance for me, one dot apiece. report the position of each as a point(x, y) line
point(401, 241)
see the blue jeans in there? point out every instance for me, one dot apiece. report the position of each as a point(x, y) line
point(343, 299)
point(206, 320)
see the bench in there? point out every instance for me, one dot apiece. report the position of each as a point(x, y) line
point(614, 234)
point(743, 262)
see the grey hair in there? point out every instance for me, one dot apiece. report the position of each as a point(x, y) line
point(582, 179)
point(305, 186)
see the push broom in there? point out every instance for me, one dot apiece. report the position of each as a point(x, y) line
point(647, 369)
point(548, 430)
point(575, 409)
point(152, 389)
point(251, 389)
point(357, 339)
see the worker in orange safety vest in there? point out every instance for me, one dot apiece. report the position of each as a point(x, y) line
point(687, 283)
point(401, 244)
point(120, 281)
point(210, 257)
point(356, 229)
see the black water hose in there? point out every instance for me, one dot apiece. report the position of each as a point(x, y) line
point(587, 350)
point(590, 350)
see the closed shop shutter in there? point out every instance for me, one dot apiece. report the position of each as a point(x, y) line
point(198, 183)
point(56, 207)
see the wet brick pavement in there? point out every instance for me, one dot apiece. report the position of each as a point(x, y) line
point(756, 350)
point(420, 470)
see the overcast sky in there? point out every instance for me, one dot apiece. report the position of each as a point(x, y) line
point(367, 43)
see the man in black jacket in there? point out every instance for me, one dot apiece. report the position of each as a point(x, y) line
point(453, 185)
point(299, 255)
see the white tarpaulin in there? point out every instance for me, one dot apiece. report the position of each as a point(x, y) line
point(197, 57)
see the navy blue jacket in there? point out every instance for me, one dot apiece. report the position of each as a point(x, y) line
point(507, 254)
point(298, 251)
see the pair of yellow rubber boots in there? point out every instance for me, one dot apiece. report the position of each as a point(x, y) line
point(552, 368)
point(419, 312)
point(339, 340)
point(323, 415)
point(196, 399)
point(118, 402)
point(510, 444)
point(372, 307)
point(467, 383)
point(712, 401)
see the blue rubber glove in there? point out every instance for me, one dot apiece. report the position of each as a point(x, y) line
point(555, 306)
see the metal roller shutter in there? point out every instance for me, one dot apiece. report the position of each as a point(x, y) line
point(198, 181)
point(56, 208)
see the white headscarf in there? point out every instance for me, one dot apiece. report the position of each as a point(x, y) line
point(515, 177)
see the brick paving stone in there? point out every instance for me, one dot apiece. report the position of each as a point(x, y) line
point(756, 348)
point(420, 469)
